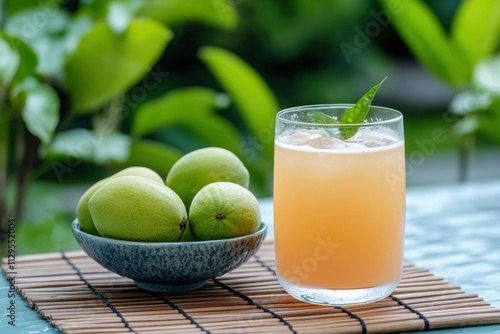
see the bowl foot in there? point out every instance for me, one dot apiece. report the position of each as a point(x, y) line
point(159, 287)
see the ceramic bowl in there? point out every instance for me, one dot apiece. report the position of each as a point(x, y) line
point(170, 266)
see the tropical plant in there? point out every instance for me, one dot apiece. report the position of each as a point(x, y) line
point(75, 78)
point(466, 59)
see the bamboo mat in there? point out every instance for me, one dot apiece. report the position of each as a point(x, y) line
point(77, 295)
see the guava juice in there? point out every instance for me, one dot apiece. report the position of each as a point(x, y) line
point(339, 210)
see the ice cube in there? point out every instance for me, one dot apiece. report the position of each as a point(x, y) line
point(301, 138)
point(373, 139)
point(325, 142)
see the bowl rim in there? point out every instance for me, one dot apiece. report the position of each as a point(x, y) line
point(75, 226)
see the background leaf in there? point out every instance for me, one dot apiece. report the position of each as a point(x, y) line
point(468, 101)
point(214, 130)
point(487, 75)
point(75, 30)
point(251, 95)
point(90, 146)
point(119, 16)
point(475, 29)
point(15, 6)
point(105, 64)
point(45, 39)
point(39, 108)
point(218, 13)
point(426, 38)
point(489, 121)
point(172, 108)
point(28, 61)
point(9, 61)
point(152, 154)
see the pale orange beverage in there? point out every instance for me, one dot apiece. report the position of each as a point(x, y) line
point(339, 209)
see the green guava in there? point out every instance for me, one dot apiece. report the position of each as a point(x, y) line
point(223, 210)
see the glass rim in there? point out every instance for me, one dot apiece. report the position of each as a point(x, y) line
point(279, 116)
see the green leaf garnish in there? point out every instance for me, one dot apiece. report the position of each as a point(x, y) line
point(322, 118)
point(357, 113)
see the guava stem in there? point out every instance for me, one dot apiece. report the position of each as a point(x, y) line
point(183, 224)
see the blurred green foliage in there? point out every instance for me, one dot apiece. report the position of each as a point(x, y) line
point(79, 84)
point(91, 86)
point(465, 58)
point(82, 84)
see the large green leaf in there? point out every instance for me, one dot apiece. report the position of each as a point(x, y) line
point(39, 105)
point(106, 64)
point(250, 93)
point(152, 154)
point(90, 146)
point(426, 38)
point(9, 60)
point(172, 108)
point(214, 130)
point(219, 13)
point(475, 29)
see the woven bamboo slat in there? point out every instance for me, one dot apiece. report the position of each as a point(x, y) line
point(247, 300)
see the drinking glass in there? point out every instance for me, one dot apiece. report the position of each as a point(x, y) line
point(339, 204)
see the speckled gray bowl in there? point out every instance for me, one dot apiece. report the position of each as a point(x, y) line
point(170, 266)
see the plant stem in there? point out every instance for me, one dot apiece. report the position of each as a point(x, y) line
point(466, 147)
point(4, 153)
point(108, 120)
point(26, 148)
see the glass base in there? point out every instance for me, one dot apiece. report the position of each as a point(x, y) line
point(337, 297)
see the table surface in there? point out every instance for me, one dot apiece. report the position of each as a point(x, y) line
point(452, 229)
